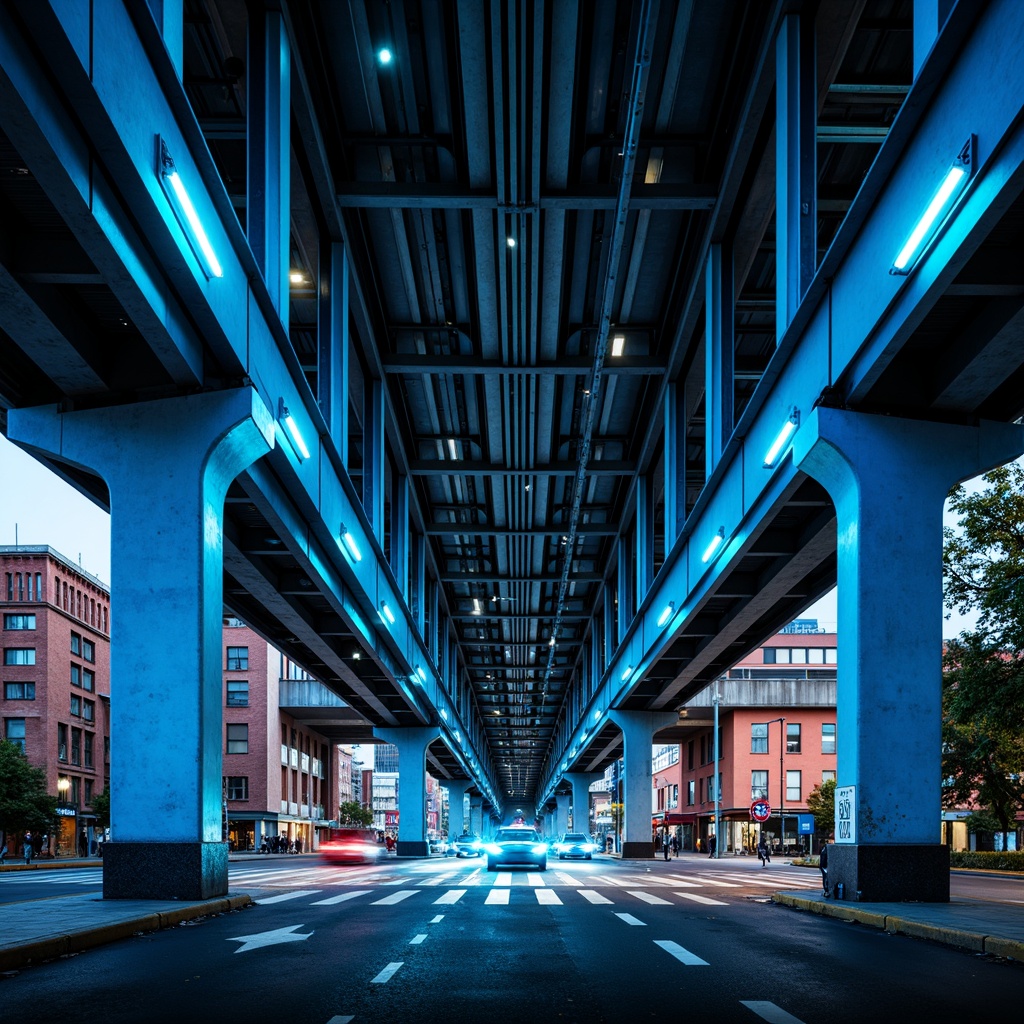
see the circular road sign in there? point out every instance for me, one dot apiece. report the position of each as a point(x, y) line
point(760, 810)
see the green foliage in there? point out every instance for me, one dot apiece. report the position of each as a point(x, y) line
point(351, 813)
point(1007, 860)
point(821, 802)
point(101, 808)
point(24, 803)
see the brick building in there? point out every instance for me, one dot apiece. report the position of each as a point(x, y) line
point(55, 674)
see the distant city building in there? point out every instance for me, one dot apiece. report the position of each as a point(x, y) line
point(55, 675)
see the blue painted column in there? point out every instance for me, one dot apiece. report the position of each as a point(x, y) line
point(561, 822)
point(412, 746)
point(638, 729)
point(581, 783)
point(720, 354)
point(888, 478)
point(644, 532)
point(457, 790)
point(675, 462)
point(332, 375)
point(167, 465)
point(373, 456)
point(476, 814)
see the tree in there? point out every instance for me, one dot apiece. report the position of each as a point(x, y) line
point(350, 813)
point(24, 803)
point(821, 802)
point(101, 808)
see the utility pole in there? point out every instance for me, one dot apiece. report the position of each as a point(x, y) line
point(718, 840)
point(782, 783)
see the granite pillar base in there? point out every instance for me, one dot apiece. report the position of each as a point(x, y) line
point(638, 851)
point(164, 871)
point(905, 873)
point(412, 848)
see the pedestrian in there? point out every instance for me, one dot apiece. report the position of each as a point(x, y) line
point(763, 852)
point(823, 864)
point(712, 845)
point(26, 848)
point(3, 853)
point(665, 846)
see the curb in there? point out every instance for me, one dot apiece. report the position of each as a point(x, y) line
point(896, 925)
point(54, 946)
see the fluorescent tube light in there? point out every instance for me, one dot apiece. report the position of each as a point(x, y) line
point(188, 218)
point(666, 613)
point(386, 613)
point(293, 430)
point(716, 543)
point(780, 442)
point(949, 190)
point(627, 671)
point(618, 344)
point(350, 544)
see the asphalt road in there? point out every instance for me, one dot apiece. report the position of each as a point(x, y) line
point(437, 941)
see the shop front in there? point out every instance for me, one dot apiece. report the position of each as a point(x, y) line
point(666, 824)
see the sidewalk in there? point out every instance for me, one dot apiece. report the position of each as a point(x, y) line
point(43, 929)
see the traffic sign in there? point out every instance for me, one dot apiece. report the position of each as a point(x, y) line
point(760, 810)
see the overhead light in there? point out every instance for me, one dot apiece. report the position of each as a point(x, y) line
point(666, 613)
point(618, 344)
point(188, 218)
point(384, 55)
point(551, 642)
point(297, 277)
point(293, 430)
point(453, 448)
point(350, 544)
point(627, 671)
point(476, 606)
point(950, 188)
point(510, 242)
point(597, 714)
point(716, 543)
point(386, 613)
point(444, 714)
point(780, 442)
point(421, 673)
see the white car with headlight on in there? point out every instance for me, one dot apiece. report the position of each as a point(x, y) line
point(575, 844)
point(468, 845)
point(516, 846)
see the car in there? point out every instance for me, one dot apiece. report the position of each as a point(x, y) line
point(516, 845)
point(351, 846)
point(575, 844)
point(468, 845)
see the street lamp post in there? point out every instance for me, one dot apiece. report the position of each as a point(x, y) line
point(718, 839)
point(782, 784)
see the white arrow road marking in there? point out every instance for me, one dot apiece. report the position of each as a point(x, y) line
point(682, 955)
point(770, 1012)
point(396, 897)
point(331, 900)
point(287, 896)
point(387, 973)
point(648, 898)
point(702, 899)
point(630, 919)
point(269, 938)
point(593, 896)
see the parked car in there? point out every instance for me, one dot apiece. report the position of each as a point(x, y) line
point(516, 846)
point(351, 846)
point(575, 844)
point(468, 845)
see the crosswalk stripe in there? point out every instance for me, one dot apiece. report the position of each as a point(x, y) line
point(396, 897)
point(331, 900)
point(282, 897)
point(451, 896)
point(568, 879)
point(497, 896)
point(535, 880)
point(682, 955)
point(702, 899)
point(547, 897)
point(608, 881)
point(703, 881)
point(630, 919)
point(503, 878)
point(648, 897)
point(769, 1011)
point(593, 896)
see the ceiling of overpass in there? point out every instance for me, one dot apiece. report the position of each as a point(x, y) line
point(527, 192)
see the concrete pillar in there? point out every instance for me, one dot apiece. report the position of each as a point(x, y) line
point(581, 783)
point(888, 478)
point(638, 729)
point(412, 746)
point(476, 819)
point(796, 165)
point(167, 465)
point(720, 355)
point(560, 823)
point(457, 789)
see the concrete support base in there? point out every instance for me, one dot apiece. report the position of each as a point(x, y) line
point(164, 871)
point(893, 873)
point(412, 848)
point(638, 851)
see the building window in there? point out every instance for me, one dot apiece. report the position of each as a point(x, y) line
point(828, 737)
point(88, 650)
point(76, 644)
point(19, 691)
point(62, 742)
point(19, 622)
point(76, 675)
point(793, 789)
point(76, 788)
point(76, 705)
point(792, 737)
point(238, 787)
point(759, 785)
point(238, 739)
point(689, 757)
point(89, 739)
point(769, 655)
point(89, 710)
point(14, 732)
point(238, 659)
point(19, 655)
point(238, 693)
point(828, 775)
point(88, 680)
point(76, 746)
point(690, 793)
point(10, 587)
point(759, 738)
point(88, 792)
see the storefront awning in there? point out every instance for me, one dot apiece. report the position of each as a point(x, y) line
point(672, 818)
